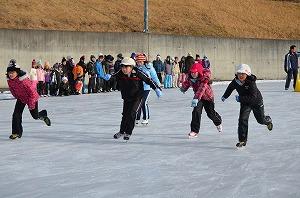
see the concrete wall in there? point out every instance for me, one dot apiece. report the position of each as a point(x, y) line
point(264, 56)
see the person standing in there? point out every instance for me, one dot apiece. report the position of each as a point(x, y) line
point(291, 66)
point(91, 70)
point(159, 68)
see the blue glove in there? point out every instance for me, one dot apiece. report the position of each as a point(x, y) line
point(194, 102)
point(158, 92)
point(223, 99)
point(237, 98)
point(107, 77)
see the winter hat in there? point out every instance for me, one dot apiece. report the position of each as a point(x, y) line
point(64, 78)
point(128, 62)
point(82, 58)
point(109, 58)
point(133, 55)
point(120, 56)
point(101, 55)
point(197, 67)
point(63, 59)
point(33, 63)
point(12, 66)
point(92, 56)
point(243, 68)
point(140, 57)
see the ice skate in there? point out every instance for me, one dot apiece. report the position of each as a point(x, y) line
point(118, 135)
point(269, 123)
point(14, 136)
point(46, 120)
point(240, 145)
point(126, 137)
point(145, 122)
point(219, 128)
point(193, 134)
point(137, 122)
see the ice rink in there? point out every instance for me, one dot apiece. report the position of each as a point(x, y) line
point(77, 156)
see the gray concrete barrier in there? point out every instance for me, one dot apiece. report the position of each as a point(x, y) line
point(264, 56)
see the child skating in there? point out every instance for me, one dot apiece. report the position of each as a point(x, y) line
point(199, 79)
point(249, 98)
point(130, 80)
point(24, 90)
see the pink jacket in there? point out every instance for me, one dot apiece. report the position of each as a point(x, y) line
point(201, 86)
point(23, 89)
point(40, 74)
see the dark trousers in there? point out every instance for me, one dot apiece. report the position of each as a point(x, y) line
point(259, 114)
point(144, 107)
point(40, 87)
point(17, 116)
point(130, 109)
point(159, 77)
point(209, 107)
point(92, 84)
point(291, 74)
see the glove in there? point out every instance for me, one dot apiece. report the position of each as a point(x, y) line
point(223, 99)
point(107, 77)
point(158, 92)
point(194, 102)
point(237, 98)
point(182, 90)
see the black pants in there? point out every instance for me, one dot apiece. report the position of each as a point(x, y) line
point(159, 77)
point(144, 107)
point(130, 109)
point(17, 116)
point(291, 74)
point(40, 88)
point(92, 84)
point(209, 107)
point(259, 114)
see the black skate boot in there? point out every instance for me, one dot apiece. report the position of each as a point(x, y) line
point(269, 123)
point(118, 135)
point(43, 116)
point(240, 144)
point(126, 137)
point(14, 136)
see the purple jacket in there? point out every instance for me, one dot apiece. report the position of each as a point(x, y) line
point(23, 89)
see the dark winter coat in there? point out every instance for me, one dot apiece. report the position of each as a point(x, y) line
point(158, 66)
point(291, 61)
point(248, 92)
point(91, 68)
point(132, 86)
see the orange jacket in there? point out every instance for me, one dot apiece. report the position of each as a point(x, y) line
point(77, 72)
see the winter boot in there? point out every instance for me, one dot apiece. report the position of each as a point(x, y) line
point(240, 144)
point(43, 116)
point(118, 135)
point(126, 136)
point(269, 123)
point(14, 136)
point(145, 122)
point(193, 134)
point(219, 128)
point(137, 122)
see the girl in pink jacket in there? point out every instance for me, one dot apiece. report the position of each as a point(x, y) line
point(199, 79)
point(23, 89)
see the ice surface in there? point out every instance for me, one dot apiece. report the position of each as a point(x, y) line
point(77, 156)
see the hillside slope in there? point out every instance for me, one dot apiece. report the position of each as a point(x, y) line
point(222, 18)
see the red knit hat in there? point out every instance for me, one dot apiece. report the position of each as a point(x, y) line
point(140, 57)
point(197, 67)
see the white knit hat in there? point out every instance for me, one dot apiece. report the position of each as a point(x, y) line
point(243, 68)
point(128, 61)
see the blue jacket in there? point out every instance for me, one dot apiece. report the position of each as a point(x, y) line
point(99, 69)
point(158, 66)
point(150, 71)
